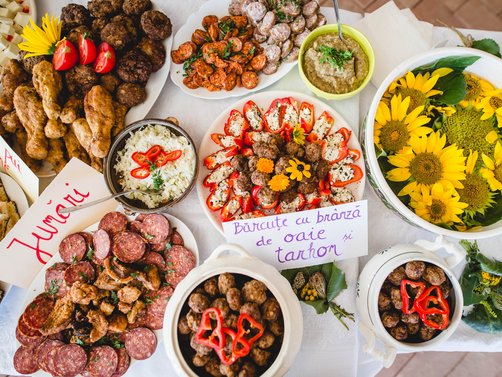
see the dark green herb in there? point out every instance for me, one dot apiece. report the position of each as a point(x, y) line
point(113, 296)
point(74, 259)
point(53, 288)
point(334, 56)
point(82, 275)
point(187, 65)
point(117, 344)
point(148, 236)
point(90, 252)
point(252, 50)
point(227, 51)
point(79, 342)
point(158, 182)
point(226, 26)
point(135, 274)
point(148, 300)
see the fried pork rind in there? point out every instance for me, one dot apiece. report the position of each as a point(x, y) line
point(73, 147)
point(72, 110)
point(48, 83)
point(11, 122)
point(54, 129)
point(100, 114)
point(59, 318)
point(56, 154)
point(82, 293)
point(99, 325)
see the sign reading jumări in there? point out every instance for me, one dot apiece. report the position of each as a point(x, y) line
point(304, 238)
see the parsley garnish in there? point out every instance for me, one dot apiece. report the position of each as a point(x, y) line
point(113, 296)
point(90, 252)
point(79, 342)
point(187, 65)
point(251, 50)
point(148, 236)
point(135, 274)
point(158, 182)
point(148, 301)
point(82, 275)
point(53, 288)
point(168, 246)
point(74, 259)
point(226, 26)
point(227, 51)
point(334, 56)
point(95, 359)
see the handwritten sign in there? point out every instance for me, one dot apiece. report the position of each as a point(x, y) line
point(36, 237)
point(14, 166)
point(305, 238)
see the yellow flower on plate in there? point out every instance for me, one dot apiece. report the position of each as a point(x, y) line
point(279, 182)
point(427, 161)
point(490, 279)
point(477, 88)
point(394, 126)
point(299, 135)
point(298, 169)
point(445, 110)
point(265, 165)
point(492, 105)
point(492, 171)
point(41, 41)
point(438, 204)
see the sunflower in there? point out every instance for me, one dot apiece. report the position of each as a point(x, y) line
point(492, 171)
point(298, 135)
point(298, 169)
point(427, 161)
point(393, 127)
point(490, 105)
point(444, 110)
point(476, 89)
point(41, 41)
point(438, 204)
point(419, 87)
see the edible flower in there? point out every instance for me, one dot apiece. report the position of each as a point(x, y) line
point(492, 104)
point(490, 279)
point(279, 182)
point(445, 110)
point(298, 169)
point(308, 293)
point(265, 165)
point(477, 89)
point(299, 135)
point(492, 171)
point(41, 41)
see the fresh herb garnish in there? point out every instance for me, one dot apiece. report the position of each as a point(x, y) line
point(90, 252)
point(187, 65)
point(74, 259)
point(334, 56)
point(148, 236)
point(79, 342)
point(82, 275)
point(135, 274)
point(113, 296)
point(158, 182)
point(53, 288)
point(226, 26)
point(117, 344)
point(148, 300)
point(227, 51)
point(252, 50)
point(168, 246)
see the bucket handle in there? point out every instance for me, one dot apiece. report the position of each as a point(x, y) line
point(217, 253)
point(385, 356)
point(456, 255)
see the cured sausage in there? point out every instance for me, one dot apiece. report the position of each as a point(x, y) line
point(82, 271)
point(267, 23)
point(73, 248)
point(28, 337)
point(128, 247)
point(155, 228)
point(140, 343)
point(311, 21)
point(270, 68)
point(113, 222)
point(101, 240)
point(259, 62)
point(135, 226)
point(256, 11)
point(286, 48)
point(25, 360)
point(103, 361)
point(280, 32)
point(159, 247)
point(298, 25)
point(209, 20)
point(123, 362)
point(176, 238)
point(37, 312)
point(87, 237)
point(154, 258)
point(260, 38)
point(273, 53)
point(44, 353)
point(157, 307)
point(187, 50)
point(293, 55)
point(299, 38)
point(179, 262)
point(249, 79)
point(310, 8)
point(54, 280)
point(70, 360)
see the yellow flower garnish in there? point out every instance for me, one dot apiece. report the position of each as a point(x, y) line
point(299, 135)
point(41, 41)
point(445, 110)
point(492, 171)
point(279, 182)
point(298, 169)
point(265, 165)
point(490, 279)
point(492, 104)
point(477, 89)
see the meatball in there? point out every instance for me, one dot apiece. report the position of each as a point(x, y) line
point(248, 369)
point(117, 35)
point(232, 320)
point(193, 320)
point(183, 327)
point(252, 309)
point(155, 51)
point(426, 333)
point(254, 291)
point(29, 63)
point(73, 15)
point(98, 24)
point(281, 165)
point(234, 298)
point(276, 328)
point(434, 275)
point(259, 179)
point(414, 270)
point(211, 287)
point(110, 82)
point(199, 348)
point(252, 161)
point(399, 332)
point(260, 357)
point(395, 296)
point(104, 8)
point(243, 183)
point(271, 310)
point(383, 301)
point(131, 95)
point(307, 187)
point(136, 7)
point(229, 370)
point(412, 318)
point(222, 304)
point(412, 328)
point(321, 168)
point(80, 79)
point(134, 67)
point(198, 302)
point(239, 163)
point(288, 196)
point(445, 288)
point(266, 340)
point(397, 275)
point(265, 150)
point(212, 367)
point(156, 24)
point(390, 319)
point(266, 196)
point(75, 33)
point(225, 282)
point(295, 150)
point(313, 152)
point(200, 360)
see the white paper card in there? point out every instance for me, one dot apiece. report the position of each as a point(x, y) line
point(304, 238)
point(36, 236)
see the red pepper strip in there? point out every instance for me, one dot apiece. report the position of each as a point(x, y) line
point(405, 297)
point(140, 173)
point(445, 319)
point(307, 121)
point(355, 154)
point(343, 152)
point(254, 116)
point(222, 353)
point(247, 204)
point(242, 333)
point(258, 202)
point(345, 132)
point(324, 188)
point(140, 158)
point(219, 157)
point(230, 209)
point(422, 304)
point(163, 157)
point(358, 174)
point(153, 152)
point(207, 335)
point(236, 124)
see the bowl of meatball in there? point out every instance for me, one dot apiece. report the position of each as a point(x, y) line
point(409, 299)
point(234, 315)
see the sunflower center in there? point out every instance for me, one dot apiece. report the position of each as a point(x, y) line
point(476, 193)
point(473, 88)
point(437, 210)
point(417, 98)
point(498, 173)
point(394, 136)
point(495, 102)
point(426, 168)
point(466, 129)
point(299, 167)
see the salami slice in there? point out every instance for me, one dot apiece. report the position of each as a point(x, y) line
point(128, 247)
point(81, 271)
point(103, 361)
point(113, 222)
point(28, 340)
point(87, 237)
point(154, 258)
point(157, 307)
point(140, 343)
point(38, 310)
point(70, 360)
point(123, 362)
point(73, 248)
point(179, 262)
point(54, 280)
point(44, 351)
point(26, 329)
point(177, 239)
point(155, 228)
point(135, 226)
point(25, 360)
point(101, 244)
point(159, 247)
point(140, 217)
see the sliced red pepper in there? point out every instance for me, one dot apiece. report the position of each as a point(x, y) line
point(230, 209)
point(164, 157)
point(236, 124)
point(290, 118)
point(223, 354)
point(355, 154)
point(358, 174)
point(422, 304)
point(345, 132)
point(307, 117)
point(206, 334)
point(405, 297)
point(445, 319)
point(299, 207)
point(222, 172)
point(258, 202)
point(248, 152)
point(247, 204)
point(141, 159)
point(321, 128)
point(219, 197)
point(217, 158)
point(248, 331)
point(254, 116)
point(328, 152)
point(153, 152)
point(141, 172)
point(324, 187)
point(226, 141)
point(275, 114)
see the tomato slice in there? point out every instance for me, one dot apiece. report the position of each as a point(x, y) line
point(140, 173)
point(140, 158)
point(153, 152)
point(65, 56)
point(163, 157)
point(106, 59)
point(86, 49)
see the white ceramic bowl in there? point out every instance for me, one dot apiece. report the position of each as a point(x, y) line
point(233, 259)
point(488, 67)
point(371, 280)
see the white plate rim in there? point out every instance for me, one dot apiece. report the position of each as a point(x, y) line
point(207, 146)
point(15, 193)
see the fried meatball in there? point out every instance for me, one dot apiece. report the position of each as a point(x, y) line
point(155, 51)
point(110, 82)
point(313, 152)
point(199, 348)
point(434, 275)
point(412, 328)
point(397, 275)
point(260, 179)
point(383, 301)
point(117, 35)
point(295, 150)
point(156, 24)
point(211, 287)
point(198, 302)
point(232, 320)
point(200, 360)
point(76, 32)
point(104, 8)
point(321, 168)
point(259, 356)
point(415, 269)
point(222, 304)
point(266, 150)
point(445, 288)
point(136, 7)
point(252, 161)
point(410, 318)
point(252, 309)
point(193, 320)
point(281, 165)
point(233, 296)
point(134, 67)
point(276, 328)
point(390, 319)
point(29, 63)
point(395, 296)
point(266, 340)
point(183, 327)
point(254, 291)
point(230, 370)
point(271, 310)
point(248, 369)
point(288, 196)
point(243, 183)
point(399, 332)
point(426, 332)
point(212, 367)
point(73, 15)
point(98, 24)
point(80, 79)
point(225, 282)
point(266, 196)
point(239, 163)
point(306, 188)
point(131, 95)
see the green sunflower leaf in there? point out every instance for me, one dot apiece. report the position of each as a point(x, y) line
point(320, 306)
point(457, 63)
point(454, 88)
point(480, 321)
point(487, 45)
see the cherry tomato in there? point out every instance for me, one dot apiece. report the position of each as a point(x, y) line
point(140, 173)
point(140, 158)
point(65, 56)
point(164, 157)
point(153, 152)
point(106, 59)
point(86, 49)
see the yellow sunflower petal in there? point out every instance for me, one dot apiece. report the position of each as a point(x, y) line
point(488, 162)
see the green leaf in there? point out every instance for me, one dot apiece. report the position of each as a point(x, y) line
point(497, 300)
point(336, 283)
point(480, 321)
point(487, 45)
point(454, 88)
point(469, 281)
point(320, 306)
point(457, 63)
point(491, 266)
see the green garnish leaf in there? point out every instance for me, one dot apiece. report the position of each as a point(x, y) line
point(187, 65)
point(113, 296)
point(454, 88)
point(457, 63)
point(79, 342)
point(53, 288)
point(487, 45)
point(334, 56)
point(90, 252)
point(135, 274)
point(158, 182)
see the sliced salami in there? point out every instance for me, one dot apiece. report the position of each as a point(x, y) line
point(157, 307)
point(44, 351)
point(102, 243)
point(135, 226)
point(54, 280)
point(25, 360)
point(26, 329)
point(51, 361)
point(38, 310)
point(154, 258)
point(103, 361)
point(159, 247)
point(123, 362)
point(70, 360)
point(113, 222)
point(140, 217)
point(140, 343)
point(177, 239)
point(87, 237)
point(155, 228)
point(73, 248)
point(56, 336)
point(128, 247)
point(179, 262)
point(81, 271)
point(28, 340)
